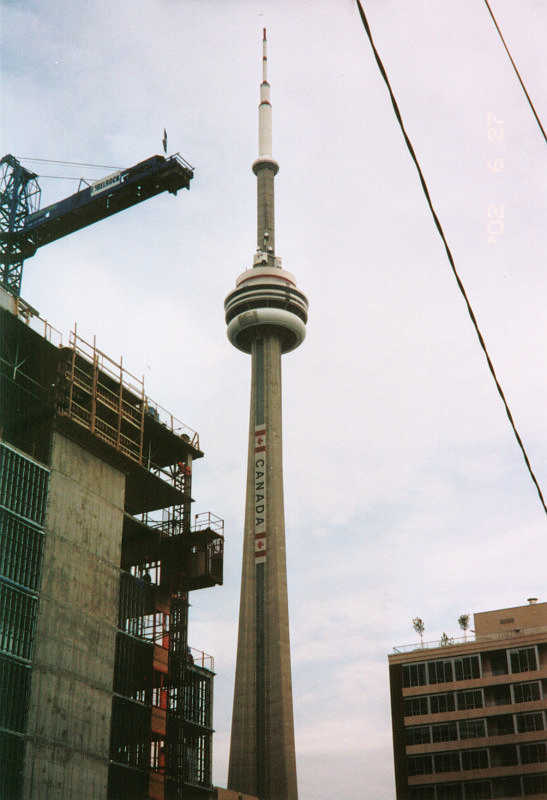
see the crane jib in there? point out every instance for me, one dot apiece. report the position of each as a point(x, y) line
point(106, 197)
point(22, 233)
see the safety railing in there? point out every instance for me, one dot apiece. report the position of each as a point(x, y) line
point(482, 637)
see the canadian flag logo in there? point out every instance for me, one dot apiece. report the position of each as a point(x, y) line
point(260, 440)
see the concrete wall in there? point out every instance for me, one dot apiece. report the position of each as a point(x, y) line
point(71, 689)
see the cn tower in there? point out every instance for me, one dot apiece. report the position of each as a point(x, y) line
point(266, 316)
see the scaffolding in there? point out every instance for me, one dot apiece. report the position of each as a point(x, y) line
point(161, 741)
point(161, 731)
point(105, 398)
point(158, 677)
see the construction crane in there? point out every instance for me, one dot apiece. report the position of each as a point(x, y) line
point(24, 227)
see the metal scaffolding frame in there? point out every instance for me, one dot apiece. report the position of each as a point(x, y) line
point(161, 734)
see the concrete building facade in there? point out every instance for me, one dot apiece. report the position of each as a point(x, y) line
point(470, 717)
point(266, 317)
point(102, 697)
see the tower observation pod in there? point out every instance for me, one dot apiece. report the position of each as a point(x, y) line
point(266, 316)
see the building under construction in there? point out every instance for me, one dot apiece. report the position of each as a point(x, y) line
point(102, 697)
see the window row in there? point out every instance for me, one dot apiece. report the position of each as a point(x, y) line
point(513, 661)
point(509, 694)
point(441, 671)
point(23, 485)
point(514, 786)
point(12, 748)
point(481, 758)
point(470, 790)
point(441, 703)
point(17, 618)
point(447, 670)
point(502, 725)
point(14, 695)
point(527, 692)
point(453, 761)
point(20, 550)
point(446, 731)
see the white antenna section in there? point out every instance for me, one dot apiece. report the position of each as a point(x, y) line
point(265, 107)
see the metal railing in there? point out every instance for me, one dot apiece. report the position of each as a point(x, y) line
point(33, 319)
point(474, 638)
point(130, 387)
point(201, 659)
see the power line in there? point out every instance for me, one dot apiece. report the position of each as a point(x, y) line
point(449, 254)
point(516, 71)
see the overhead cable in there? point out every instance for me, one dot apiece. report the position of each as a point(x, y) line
point(516, 71)
point(449, 255)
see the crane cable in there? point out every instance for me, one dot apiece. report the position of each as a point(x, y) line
point(70, 163)
point(449, 254)
point(516, 71)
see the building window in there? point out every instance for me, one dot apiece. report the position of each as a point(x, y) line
point(478, 790)
point(445, 732)
point(533, 753)
point(420, 765)
point(530, 722)
point(526, 692)
point(466, 668)
point(157, 755)
point(14, 693)
point(505, 756)
point(440, 703)
point(472, 728)
point(17, 615)
point(414, 675)
point(501, 726)
point(535, 784)
point(470, 699)
point(475, 759)
point(419, 734)
point(502, 696)
point(415, 706)
point(439, 671)
point(498, 662)
point(447, 762)
point(523, 660)
point(422, 793)
point(450, 791)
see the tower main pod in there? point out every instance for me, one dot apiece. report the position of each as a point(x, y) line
point(266, 317)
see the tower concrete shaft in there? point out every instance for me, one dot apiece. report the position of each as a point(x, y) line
point(266, 317)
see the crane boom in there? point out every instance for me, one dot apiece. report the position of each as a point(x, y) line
point(101, 199)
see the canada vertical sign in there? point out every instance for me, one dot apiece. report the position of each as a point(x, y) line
point(260, 494)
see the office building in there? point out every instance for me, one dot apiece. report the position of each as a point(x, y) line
point(470, 717)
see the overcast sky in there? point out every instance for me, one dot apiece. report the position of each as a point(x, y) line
point(405, 492)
